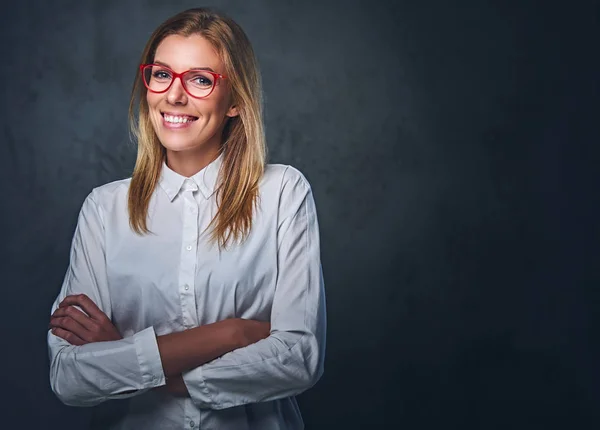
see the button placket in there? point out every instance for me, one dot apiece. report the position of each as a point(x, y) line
point(192, 415)
point(188, 257)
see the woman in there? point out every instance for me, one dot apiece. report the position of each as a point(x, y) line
point(194, 287)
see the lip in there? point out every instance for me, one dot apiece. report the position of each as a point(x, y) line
point(176, 126)
point(163, 113)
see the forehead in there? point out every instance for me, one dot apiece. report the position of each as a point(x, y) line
point(183, 53)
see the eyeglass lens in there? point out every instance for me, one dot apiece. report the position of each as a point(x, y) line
point(198, 83)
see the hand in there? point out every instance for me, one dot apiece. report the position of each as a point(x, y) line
point(250, 331)
point(77, 328)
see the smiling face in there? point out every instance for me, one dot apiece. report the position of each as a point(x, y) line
point(184, 124)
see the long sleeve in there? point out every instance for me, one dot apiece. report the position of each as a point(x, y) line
point(90, 374)
point(290, 360)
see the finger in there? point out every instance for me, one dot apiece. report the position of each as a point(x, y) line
point(70, 301)
point(68, 336)
point(69, 324)
point(77, 315)
point(85, 303)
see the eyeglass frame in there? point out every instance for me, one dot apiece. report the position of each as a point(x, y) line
point(176, 75)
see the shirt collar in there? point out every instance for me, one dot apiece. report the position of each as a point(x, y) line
point(206, 179)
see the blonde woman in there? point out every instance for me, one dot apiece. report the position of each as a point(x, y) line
point(194, 287)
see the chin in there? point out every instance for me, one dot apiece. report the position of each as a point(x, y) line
point(175, 142)
point(179, 146)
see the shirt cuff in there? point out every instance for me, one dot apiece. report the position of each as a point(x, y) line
point(148, 355)
point(198, 389)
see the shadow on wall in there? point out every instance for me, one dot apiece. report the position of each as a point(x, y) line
point(493, 384)
point(489, 385)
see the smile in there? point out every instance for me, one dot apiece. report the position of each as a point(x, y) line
point(177, 121)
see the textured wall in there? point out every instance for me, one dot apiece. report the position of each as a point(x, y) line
point(453, 155)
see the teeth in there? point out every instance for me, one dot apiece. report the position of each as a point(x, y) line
point(177, 119)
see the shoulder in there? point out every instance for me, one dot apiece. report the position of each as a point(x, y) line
point(286, 187)
point(107, 195)
point(285, 177)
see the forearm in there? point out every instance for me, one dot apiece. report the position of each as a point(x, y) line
point(90, 374)
point(282, 365)
point(194, 347)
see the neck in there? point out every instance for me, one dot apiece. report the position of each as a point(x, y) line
point(188, 163)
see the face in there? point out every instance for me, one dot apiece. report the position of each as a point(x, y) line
point(204, 118)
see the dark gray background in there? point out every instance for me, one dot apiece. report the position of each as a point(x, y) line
point(453, 151)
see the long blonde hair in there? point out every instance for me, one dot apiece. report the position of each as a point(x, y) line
point(243, 141)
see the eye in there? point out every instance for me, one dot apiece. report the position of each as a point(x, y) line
point(161, 74)
point(201, 80)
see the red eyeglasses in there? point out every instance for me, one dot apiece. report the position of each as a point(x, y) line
point(197, 83)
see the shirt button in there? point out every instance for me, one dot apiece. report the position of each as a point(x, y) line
point(186, 286)
point(189, 247)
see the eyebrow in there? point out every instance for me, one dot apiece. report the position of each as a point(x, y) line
point(193, 68)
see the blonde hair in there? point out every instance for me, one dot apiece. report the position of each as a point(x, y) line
point(243, 142)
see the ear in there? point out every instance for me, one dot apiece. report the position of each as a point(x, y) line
point(233, 111)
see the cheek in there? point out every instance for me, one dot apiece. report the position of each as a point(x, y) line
point(220, 100)
point(151, 99)
point(152, 102)
point(226, 100)
point(209, 109)
point(222, 106)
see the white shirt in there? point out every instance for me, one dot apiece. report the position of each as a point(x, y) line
point(172, 279)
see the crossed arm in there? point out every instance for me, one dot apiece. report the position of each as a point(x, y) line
point(179, 351)
point(90, 363)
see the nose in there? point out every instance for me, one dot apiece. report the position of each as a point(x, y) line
point(176, 94)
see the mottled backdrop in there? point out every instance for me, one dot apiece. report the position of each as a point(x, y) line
point(452, 147)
